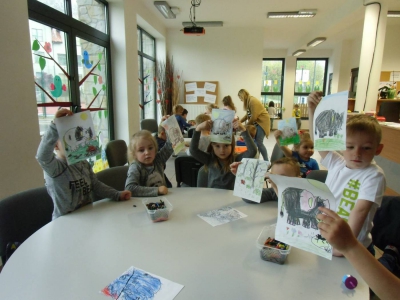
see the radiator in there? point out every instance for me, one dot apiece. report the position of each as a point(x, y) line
point(194, 110)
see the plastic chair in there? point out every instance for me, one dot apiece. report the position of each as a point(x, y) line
point(190, 132)
point(150, 125)
point(202, 178)
point(319, 175)
point(116, 152)
point(186, 170)
point(114, 177)
point(277, 153)
point(21, 215)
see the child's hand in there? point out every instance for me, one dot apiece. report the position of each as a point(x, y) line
point(125, 195)
point(206, 125)
point(313, 99)
point(234, 167)
point(164, 118)
point(162, 190)
point(277, 134)
point(62, 113)
point(238, 125)
point(336, 230)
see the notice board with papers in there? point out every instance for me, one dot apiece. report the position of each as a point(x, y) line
point(200, 92)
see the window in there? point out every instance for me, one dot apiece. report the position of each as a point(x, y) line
point(147, 69)
point(272, 83)
point(76, 55)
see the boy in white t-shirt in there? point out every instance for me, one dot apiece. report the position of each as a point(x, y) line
point(357, 183)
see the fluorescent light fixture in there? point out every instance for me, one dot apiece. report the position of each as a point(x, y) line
point(298, 52)
point(165, 9)
point(393, 14)
point(304, 13)
point(204, 24)
point(316, 41)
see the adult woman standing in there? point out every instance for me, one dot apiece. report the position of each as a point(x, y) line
point(257, 116)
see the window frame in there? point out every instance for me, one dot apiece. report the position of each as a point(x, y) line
point(280, 93)
point(305, 94)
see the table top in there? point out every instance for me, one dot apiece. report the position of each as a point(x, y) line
point(78, 254)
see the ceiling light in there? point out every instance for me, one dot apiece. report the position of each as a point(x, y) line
point(316, 41)
point(204, 24)
point(304, 13)
point(298, 52)
point(165, 9)
point(393, 14)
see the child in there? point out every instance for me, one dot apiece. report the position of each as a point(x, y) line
point(338, 233)
point(285, 166)
point(209, 108)
point(205, 134)
point(297, 114)
point(302, 152)
point(70, 186)
point(219, 156)
point(146, 172)
point(252, 131)
point(356, 182)
point(228, 103)
point(161, 137)
point(178, 110)
point(271, 112)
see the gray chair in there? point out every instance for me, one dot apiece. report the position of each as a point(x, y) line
point(202, 178)
point(150, 125)
point(114, 177)
point(319, 175)
point(21, 215)
point(277, 153)
point(116, 152)
point(186, 170)
point(190, 132)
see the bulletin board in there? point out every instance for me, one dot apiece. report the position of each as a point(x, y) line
point(200, 92)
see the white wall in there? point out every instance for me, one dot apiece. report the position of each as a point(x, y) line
point(391, 55)
point(18, 115)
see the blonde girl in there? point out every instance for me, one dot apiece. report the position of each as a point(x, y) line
point(219, 156)
point(209, 108)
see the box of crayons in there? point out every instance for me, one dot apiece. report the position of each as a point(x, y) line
point(158, 208)
point(271, 249)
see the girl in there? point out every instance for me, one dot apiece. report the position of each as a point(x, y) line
point(146, 172)
point(271, 112)
point(209, 108)
point(228, 103)
point(219, 156)
point(301, 151)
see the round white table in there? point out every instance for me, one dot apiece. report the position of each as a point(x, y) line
point(78, 254)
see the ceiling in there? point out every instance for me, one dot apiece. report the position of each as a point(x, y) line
point(335, 20)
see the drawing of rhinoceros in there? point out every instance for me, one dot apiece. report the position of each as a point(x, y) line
point(220, 126)
point(328, 121)
point(302, 204)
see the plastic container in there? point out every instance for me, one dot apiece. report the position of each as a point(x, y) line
point(269, 253)
point(158, 215)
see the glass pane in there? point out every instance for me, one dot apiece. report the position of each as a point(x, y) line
point(302, 102)
point(265, 99)
point(139, 45)
point(140, 85)
point(272, 76)
point(309, 76)
point(92, 13)
point(149, 87)
point(50, 68)
point(56, 4)
point(93, 85)
point(148, 45)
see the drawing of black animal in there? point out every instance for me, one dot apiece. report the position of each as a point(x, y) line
point(328, 121)
point(302, 204)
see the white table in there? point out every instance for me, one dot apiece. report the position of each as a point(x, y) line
point(78, 254)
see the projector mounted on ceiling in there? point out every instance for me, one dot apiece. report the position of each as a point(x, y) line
point(193, 29)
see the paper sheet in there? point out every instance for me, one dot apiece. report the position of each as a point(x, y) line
point(290, 134)
point(174, 134)
point(221, 216)
point(190, 87)
point(190, 98)
point(210, 87)
point(221, 131)
point(210, 98)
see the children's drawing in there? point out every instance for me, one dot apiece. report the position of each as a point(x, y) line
point(174, 134)
point(137, 284)
point(221, 131)
point(221, 216)
point(330, 122)
point(250, 179)
point(289, 132)
point(298, 202)
point(78, 137)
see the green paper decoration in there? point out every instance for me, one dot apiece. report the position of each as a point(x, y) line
point(35, 45)
point(94, 91)
point(95, 79)
point(99, 67)
point(105, 114)
point(100, 55)
point(104, 87)
point(42, 63)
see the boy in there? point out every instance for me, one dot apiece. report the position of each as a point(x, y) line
point(286, 166)
point(161, 137)
point(296, 113)
point(205, 140)
point(354, 179)
point(72, 186)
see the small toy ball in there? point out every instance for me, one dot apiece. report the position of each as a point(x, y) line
point(350, 281)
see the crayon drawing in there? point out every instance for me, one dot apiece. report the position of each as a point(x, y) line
point(330, 122)
point(78, 137)
point(137, 284)
point(289, 132)
point(221, 216)
point(221, 131)
point(174, 134)
point(249, 180)
point(298, 202)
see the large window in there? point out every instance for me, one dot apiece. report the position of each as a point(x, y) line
point(147, 69)
point(70, 56)
point(272, 83)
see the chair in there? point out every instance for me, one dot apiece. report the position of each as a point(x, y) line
point(191, 131)
point(150, 125)
point(319, 175)
point(277, 153)
point(114, 177)
point(202, 178)
point(21, 215)
point(116, 152)
point(186, 169)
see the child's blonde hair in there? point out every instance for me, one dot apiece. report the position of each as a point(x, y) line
point(252, 130)
point(210, 107)
point(304, 138)
point(288, 161)
point(366, 124)
point(142, 134)
point(215, 160)
point(161, 129)
point(178, 109)
point(202, 118)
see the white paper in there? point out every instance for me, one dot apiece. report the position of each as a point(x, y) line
point(210, 98)
point(210, 87)
point(190, 87)
point(222, 216)
point(330, 122)
point(221, 131)
point(298, 202)
point(249, 180)
point(200, 92)
point(191, 98)
point(174, 133)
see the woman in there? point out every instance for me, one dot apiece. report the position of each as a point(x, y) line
point(257, 116)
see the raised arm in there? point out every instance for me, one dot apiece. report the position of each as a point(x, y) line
point(285, 149)
point(313, 100)
point(201, 156)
